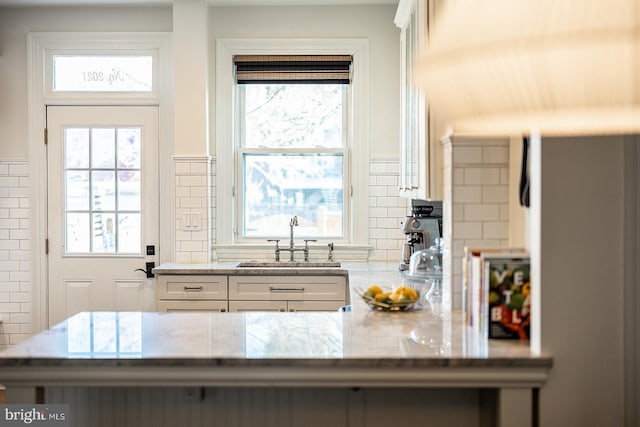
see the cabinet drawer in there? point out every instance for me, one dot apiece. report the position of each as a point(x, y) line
point(303, 288)
point(284, 306)
point(192, 287)
point(177, 306)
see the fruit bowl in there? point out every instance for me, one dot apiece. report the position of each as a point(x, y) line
point(402, 299)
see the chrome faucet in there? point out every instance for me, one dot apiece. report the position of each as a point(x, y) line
point(291, 249)
point(292, 223)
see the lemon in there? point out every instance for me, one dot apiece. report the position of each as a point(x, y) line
point(372, 291)
point(408, 293)
point(382, 296)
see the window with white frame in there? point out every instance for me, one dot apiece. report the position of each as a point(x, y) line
point(291, 145)
point(319, 165)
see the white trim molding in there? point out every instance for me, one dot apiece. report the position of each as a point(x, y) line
point(39, 47)
point(358, 150)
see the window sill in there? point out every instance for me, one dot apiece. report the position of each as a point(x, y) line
point(263, 252)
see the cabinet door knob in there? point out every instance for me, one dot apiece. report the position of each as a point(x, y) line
point(222, 310)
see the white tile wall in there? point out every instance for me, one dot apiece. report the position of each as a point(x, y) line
point(386, 210)
point(15, 266)
point(192, 186)
point(476, 195)
point(476, 180)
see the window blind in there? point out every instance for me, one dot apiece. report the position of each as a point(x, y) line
point(300, 69)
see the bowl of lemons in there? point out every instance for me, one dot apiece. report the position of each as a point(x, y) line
point(403, 298)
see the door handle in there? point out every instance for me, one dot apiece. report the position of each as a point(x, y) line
point(149, 269)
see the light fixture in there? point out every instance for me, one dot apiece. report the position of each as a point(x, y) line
point(553, 66)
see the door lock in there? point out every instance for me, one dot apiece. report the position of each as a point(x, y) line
point(149, 269)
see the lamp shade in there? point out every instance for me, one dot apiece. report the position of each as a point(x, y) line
point(553, 66)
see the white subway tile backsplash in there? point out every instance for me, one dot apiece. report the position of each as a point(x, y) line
point(190, 181)
point(481, 212)
point(379, 191)
point(482, 176)
point(386, 210)
point(467, 194)
point(378, 168)
point(495, 194)
point(468, 155)
point(193, 178)
point(495, 154)
point(376, 212)
point(477, 185)
point(388, 180)
point(495, 230)
point(9, 307)
point(19, 169)
point(15, 263)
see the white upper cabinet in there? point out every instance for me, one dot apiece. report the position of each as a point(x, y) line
point(419, 150)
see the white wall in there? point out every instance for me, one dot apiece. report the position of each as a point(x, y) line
point(582, 280)
point(15, 23)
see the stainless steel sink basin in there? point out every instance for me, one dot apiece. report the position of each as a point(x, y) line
point(287, 264)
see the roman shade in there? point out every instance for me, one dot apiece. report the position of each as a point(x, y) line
point(291, 69)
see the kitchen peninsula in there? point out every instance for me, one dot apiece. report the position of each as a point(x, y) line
point(355, 368)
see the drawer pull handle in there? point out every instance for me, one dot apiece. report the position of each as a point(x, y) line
point(193, 288)
point(276, 289)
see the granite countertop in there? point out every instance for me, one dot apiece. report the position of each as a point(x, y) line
point(358, 347)
point(231, 268)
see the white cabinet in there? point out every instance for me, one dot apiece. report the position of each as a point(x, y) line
point(191, 293)
point(185, 292)
point(287, 293)
point(285, 305)
point(420, 153)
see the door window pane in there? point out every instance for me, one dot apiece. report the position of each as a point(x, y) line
point(104, 238)
point(103, 196)
point(77, 228)
point(103, 190)
point(103, 148)
point(129, 232)
point(77, 184)
point(129, 190)
point(76, 142)
point(129, 148)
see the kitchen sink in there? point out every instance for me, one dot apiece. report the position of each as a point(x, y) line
point(287, 264)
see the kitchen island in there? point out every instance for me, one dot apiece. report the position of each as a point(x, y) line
point(353, 368)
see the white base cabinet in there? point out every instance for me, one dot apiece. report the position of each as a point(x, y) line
point(192, 293)
point(285, 305)
point(284, 293)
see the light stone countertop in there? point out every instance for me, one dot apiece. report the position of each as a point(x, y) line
point(357, 347)
point(230, 268)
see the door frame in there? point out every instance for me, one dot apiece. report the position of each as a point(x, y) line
point(38, 46)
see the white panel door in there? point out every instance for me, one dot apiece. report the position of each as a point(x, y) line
point(102, 208)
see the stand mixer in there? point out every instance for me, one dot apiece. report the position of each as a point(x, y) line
point(421, 228)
